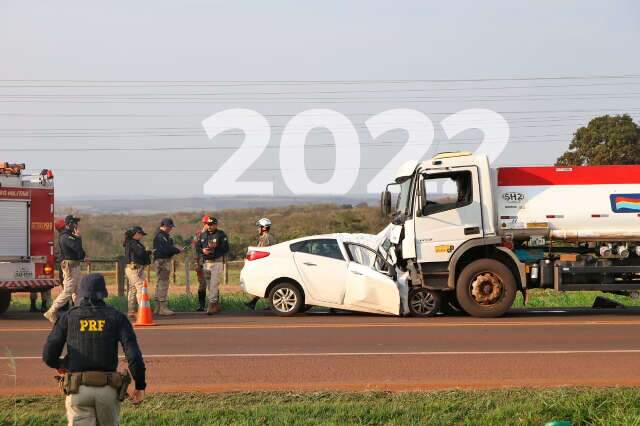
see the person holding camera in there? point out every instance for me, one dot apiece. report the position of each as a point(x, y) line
point(212, 246)
point(163, 250)
point(71, 254)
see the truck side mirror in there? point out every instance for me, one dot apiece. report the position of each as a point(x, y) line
point(385, 203)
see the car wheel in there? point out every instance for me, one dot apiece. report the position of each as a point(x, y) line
point(424, 302)
point(5, 301)
point(285, 299)
point(486, 288)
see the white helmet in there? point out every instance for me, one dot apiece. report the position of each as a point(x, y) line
point(264, 222)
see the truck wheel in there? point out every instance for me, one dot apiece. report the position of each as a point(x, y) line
point(285, 299)
point(424, 302)
point(5, 301)
point(486, 288)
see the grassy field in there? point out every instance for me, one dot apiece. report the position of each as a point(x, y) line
point(581, 406)
point(233, 300)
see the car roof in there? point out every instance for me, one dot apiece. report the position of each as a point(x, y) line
point(366, 239)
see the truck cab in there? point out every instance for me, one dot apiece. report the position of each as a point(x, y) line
point(27, 260)
point(446, 210)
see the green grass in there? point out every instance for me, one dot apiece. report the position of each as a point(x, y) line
point(539, 298)
point(178, 303)
point(235, 301)
point(581, 406)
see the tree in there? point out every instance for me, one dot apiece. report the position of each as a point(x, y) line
point(605, 140)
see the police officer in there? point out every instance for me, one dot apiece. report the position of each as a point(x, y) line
point(163, 250)
point(265, 239)
point(212, 246)
point(71, 254)
point(91, 332)
point(202, 282)
point(137, 257)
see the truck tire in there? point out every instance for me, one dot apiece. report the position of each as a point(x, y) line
point(5, 301)
point(486, 288)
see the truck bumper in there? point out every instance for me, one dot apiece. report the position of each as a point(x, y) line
point(28, 285)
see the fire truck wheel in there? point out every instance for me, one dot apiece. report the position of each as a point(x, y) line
point(486, 288)
point(424, 302)
point(5, 301)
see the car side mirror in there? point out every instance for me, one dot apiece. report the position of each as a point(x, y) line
point(385, 203)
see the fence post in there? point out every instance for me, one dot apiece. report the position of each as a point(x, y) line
point(121, 263)
point(187, 278)
point(173, 269)
point(225, 270)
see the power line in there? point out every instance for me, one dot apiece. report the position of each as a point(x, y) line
point(371, 81)
point(307, 101)
point(292, 114)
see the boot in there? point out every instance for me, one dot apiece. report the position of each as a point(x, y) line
point(33, 306)
point(252, 304)
point(202, 296)
point(132, 314)
point(213, 308)
point(164, 310)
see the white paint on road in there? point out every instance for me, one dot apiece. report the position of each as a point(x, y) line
point(355, 354)
point(427, 324)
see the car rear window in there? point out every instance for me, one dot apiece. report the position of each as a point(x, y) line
point(325, 247)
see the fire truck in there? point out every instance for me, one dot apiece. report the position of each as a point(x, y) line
point(472, 235)
point(27, 260)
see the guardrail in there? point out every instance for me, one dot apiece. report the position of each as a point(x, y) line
point(118, 265)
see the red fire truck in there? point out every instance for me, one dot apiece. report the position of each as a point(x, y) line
point(26, 232)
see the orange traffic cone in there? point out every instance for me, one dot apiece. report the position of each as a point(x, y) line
point(145, 317)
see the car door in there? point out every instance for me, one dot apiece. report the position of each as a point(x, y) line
point(369, 285)
point(323, 268)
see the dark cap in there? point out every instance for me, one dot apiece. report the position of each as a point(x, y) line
point(92, 286)
point(167, 221)
point(135, 229)
point(70, 219)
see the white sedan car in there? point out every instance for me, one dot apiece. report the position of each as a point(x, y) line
point(340, 271)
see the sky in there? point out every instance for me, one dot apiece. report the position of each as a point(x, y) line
point(110, 95)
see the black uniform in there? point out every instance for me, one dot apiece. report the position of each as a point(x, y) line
point(163, 246)
point(91, 332)
point(136, 253)
point(70, 246)
point(221, 249)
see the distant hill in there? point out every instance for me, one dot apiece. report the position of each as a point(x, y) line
point(170, 205)
point(102, 233)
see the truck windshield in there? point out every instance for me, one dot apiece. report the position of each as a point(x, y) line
point(402, 204)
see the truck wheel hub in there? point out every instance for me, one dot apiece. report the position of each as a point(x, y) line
point(486, 288)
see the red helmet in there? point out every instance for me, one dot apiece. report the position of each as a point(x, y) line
point(209, 220)
point(59, 224)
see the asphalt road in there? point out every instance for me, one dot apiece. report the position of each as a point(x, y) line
point(321, 351)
